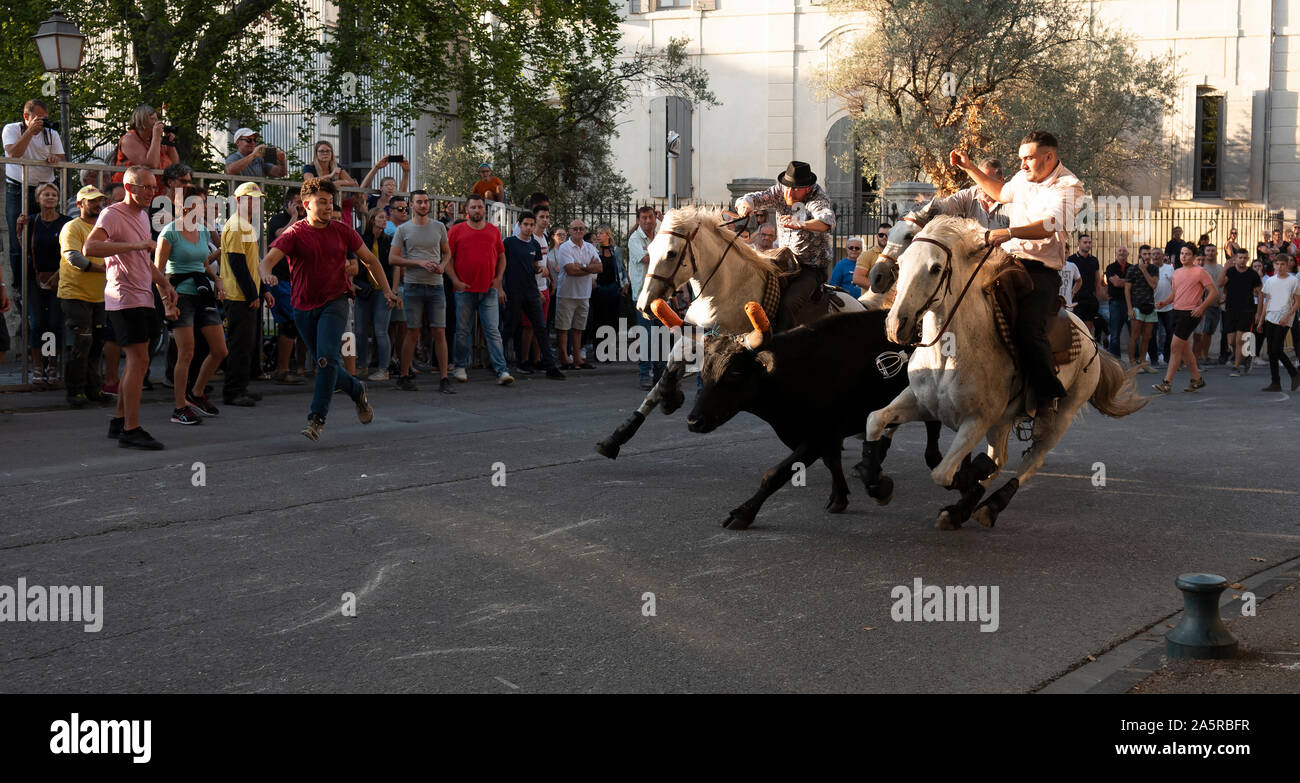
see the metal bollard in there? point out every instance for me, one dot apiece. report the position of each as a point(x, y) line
point(1200, 634)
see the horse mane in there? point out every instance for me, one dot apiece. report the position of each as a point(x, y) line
point(687, 218)
point(965, 237)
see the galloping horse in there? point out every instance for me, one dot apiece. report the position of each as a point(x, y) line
point(694, 246)
point(971, 382)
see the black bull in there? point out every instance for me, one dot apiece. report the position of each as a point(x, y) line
point(815, 385)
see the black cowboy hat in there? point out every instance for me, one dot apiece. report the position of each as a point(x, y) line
point(797, 175)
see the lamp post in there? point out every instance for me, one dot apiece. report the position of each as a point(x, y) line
point(61, 46)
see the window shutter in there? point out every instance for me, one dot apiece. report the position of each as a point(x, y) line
point(679, 119)
point(658, 141)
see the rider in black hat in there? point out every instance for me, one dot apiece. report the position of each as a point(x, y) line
point(805, 219)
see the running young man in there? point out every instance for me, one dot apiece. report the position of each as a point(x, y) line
point(1277, 308)
point(317, 249)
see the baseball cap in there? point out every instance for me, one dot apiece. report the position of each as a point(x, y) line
point(485, 165)
point(249, 189)
point(242, 132)
point(89, 193)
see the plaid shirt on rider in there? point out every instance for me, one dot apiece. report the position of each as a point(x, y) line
point(811, 248)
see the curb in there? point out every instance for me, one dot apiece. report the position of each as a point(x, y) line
point(1139, 656)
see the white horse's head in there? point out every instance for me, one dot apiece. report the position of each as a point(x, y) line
point(885, 272)
point(935, 264)
point(667, 267)
point(692, 242)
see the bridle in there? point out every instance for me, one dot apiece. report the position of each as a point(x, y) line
point(945, 284)
point(689, 255)
point(893, 262)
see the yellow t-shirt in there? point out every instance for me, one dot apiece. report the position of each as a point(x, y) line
point(868, 258)
point(87, 286)
point(238, 236)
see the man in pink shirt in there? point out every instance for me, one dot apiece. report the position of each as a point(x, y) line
point(121, 237)
point(1194, 292)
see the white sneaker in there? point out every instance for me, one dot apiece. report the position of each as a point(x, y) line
point(459, 374)
point(378, 375)
point(505, 379)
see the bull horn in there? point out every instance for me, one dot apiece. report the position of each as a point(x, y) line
point(665, 314)
point(757, 317)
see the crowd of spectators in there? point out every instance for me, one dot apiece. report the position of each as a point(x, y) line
point(108, 275)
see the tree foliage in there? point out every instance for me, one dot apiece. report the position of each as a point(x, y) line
point(1015, 65)
point(539, 83)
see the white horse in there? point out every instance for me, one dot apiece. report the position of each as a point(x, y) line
point(970, 382)
point(693, 245)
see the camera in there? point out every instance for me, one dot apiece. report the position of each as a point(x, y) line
point(171, 129)
point(270, 155)
point(46, 123)
point(396, 158)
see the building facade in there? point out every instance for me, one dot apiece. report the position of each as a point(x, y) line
point(1234, 131)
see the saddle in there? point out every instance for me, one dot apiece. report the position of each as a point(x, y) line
point(1008, 284)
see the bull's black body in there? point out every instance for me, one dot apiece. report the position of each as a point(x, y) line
point(815, 385)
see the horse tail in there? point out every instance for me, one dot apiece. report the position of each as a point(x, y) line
point(1116, 394)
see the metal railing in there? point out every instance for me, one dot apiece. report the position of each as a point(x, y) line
point(219, 185)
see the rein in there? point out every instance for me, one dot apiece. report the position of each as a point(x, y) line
point(690, 255)
point(945, 283)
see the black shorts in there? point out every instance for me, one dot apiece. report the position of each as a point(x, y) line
point(1242, 320)
point(1184, 324)
point(135, 325)
point(194, 315)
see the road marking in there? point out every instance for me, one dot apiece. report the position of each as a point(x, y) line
point(504, 681)
point(1263, 491)
point(454, 651)
point(564, 528)
point(338, 609)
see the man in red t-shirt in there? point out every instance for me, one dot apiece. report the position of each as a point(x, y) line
point(317, 250)
point(476, 266)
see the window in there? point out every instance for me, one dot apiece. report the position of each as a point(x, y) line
point(1209, 143)
point(354, 147)
point(844, 180)
point(662, 4)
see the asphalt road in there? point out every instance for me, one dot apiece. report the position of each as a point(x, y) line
point(538, 585)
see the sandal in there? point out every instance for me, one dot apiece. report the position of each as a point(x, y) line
point(1197, 383)
point(1162, 387)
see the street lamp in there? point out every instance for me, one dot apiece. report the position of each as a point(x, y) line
point(61, 46)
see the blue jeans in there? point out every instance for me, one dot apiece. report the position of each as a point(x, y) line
point(322, 329)
point(371, 315)
point(1117, 319)
point(488, 310)
point(646, 369)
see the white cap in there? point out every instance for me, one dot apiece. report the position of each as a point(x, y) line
point(242, 132)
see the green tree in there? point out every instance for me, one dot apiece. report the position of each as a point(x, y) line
point(931, 75)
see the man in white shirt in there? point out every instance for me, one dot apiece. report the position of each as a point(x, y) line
point(1042, 201)
point(580, 262)
point(1164, 290)
point(30, 139)
point(1277, 308)
point(1071, 282)
point(638, 253)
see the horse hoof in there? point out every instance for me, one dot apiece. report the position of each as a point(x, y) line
point(948, 519)
point(836, 506)
point(985, 516)
point(882, 491)
point(737, 521)
point(607, 449)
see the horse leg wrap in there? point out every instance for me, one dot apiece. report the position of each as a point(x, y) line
point(609, 447)
point(933, 456)
point(999, 500)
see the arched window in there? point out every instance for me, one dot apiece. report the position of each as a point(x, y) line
point(844, 181)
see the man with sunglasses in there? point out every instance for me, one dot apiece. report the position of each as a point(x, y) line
point(862, 269)
point(121, 237)
point(842, 276)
